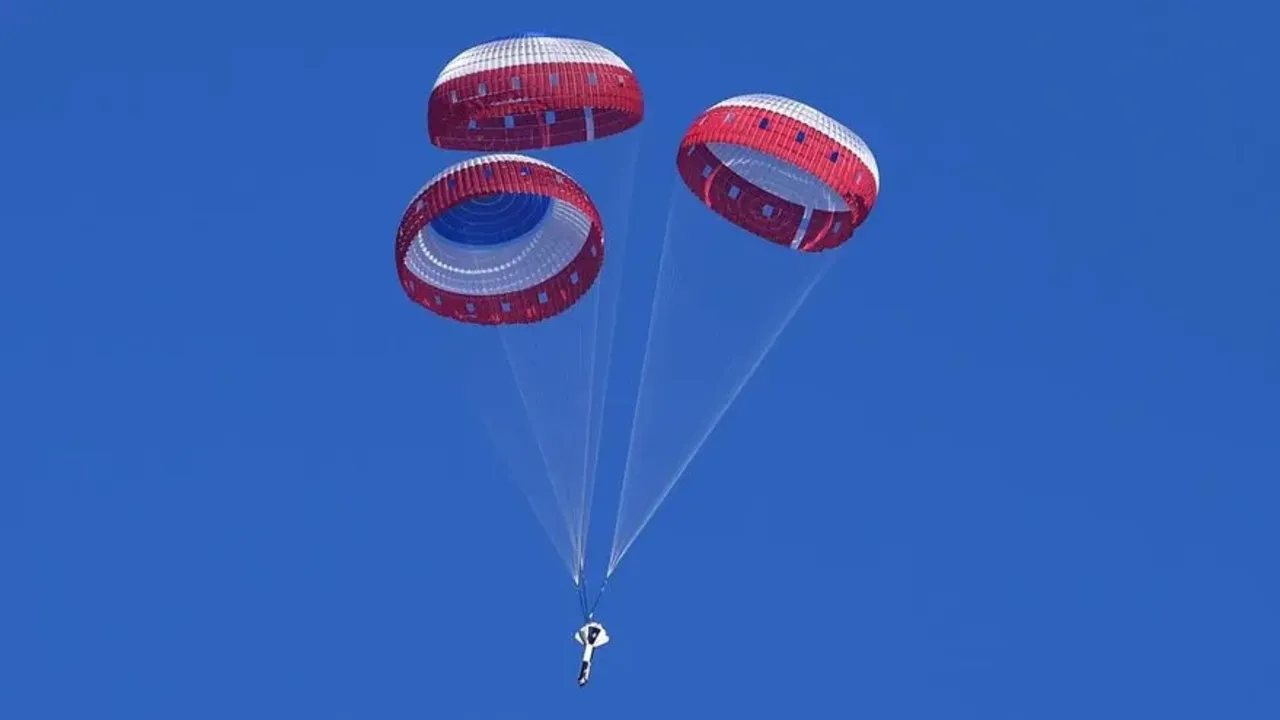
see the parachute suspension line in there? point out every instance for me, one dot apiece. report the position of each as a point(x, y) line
point(616, 555)
point(599, 594)
point(537, 436)
point(565, 553)
point(582, 599)
point(519, 465)
point(589, 607)
point(570, 441)
point(595, 409)
point(620, 255)
point(664, 269)
point(582, 509)
point(558, 373)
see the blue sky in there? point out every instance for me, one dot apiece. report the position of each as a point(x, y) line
point(1016, 457)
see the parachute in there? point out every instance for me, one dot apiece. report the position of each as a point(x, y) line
point(510, 241)
point(532, 91)
point(499, 239)
point(781, 170)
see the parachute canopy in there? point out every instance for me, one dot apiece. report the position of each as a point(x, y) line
point(499, 239)
point(532, 91)
point(780, 170)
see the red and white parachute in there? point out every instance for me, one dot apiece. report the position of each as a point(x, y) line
point(532, 91)
point(498, 240)
point(781, 170)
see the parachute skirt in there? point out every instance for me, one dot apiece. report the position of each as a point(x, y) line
point(499, 239)
point(531, 91)
point(780, 170)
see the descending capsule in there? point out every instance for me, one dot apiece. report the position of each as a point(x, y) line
point(780, 170)
point(499, 239)
point(532, 91)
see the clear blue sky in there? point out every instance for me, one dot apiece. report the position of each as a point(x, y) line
point(1016, 458)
